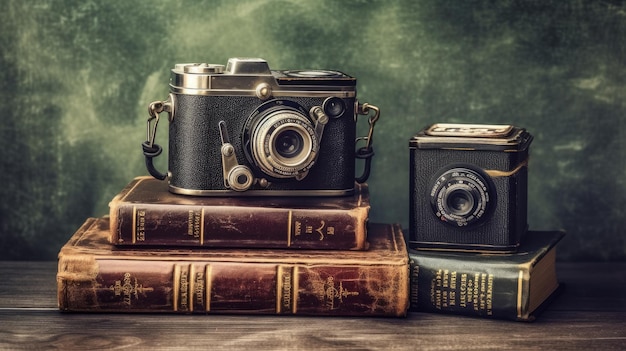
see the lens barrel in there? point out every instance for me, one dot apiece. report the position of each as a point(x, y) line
point(283, 143)
point(462, 197)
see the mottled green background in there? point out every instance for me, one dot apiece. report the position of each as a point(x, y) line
point(77, 77)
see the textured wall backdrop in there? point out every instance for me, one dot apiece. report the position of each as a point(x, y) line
point(77, 76)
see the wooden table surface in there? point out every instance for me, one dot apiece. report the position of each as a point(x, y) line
point(590, 314)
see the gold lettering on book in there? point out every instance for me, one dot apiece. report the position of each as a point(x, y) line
point(475, 291)
point(319, 230)
point(139, 226)
point(472, 291)
point(452, 300)
point(482, 298)
point(184, 290)
point(435, 289)
point(446, 292)
point(190, 223)
point(490, 294)
point(322, 229)
point(334, 293)
point(128, 289)
point(198, 288)
point(286, 290)
point(194, 224)
point(463, 291)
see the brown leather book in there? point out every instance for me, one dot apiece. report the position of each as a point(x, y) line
point(96, 276)
point(146, 213)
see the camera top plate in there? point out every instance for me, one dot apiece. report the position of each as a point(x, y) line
point(459, 136)
point(253, 77)
point(469, 130)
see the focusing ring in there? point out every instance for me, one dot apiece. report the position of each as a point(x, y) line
point(282, 141)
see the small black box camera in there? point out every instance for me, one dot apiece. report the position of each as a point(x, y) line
point(468, 187)
point(243, 129)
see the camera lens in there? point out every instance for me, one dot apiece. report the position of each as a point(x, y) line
point(462, 196)
point(281, 141)
point(459, 201)
point(289, 143)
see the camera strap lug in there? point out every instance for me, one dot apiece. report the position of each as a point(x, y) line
point(150, 148)
point(367, 152)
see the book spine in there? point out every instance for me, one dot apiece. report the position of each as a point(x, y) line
point(468, 288)
point(118, 285)
point(231, 226)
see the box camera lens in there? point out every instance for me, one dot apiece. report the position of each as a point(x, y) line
point(468, 187)
point(462, 197)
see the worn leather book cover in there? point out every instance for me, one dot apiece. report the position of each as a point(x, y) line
point(513, 286)
point(146, 213)
point(96, 276)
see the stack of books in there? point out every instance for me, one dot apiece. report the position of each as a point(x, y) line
point(162, 252)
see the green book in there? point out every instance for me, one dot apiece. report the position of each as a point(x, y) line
point(507, 286)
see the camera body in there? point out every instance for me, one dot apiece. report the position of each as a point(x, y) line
point(244, 129)
point(468, 187)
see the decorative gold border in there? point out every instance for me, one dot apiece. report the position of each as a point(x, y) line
point(520, 283)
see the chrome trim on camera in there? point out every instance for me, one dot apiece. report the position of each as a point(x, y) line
point(200, 68)
point(195, 192)
point(253, 77)
point(253, 92)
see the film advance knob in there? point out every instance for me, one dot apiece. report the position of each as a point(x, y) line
point(240, 178)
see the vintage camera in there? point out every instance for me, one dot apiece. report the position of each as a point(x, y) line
point(248, 130)
point(468, 187)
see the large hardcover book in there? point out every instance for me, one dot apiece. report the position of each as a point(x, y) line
point(96, 276)
point(146, 213)
point(508, 286)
